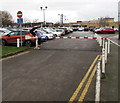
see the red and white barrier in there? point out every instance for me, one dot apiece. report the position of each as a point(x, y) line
point(69, 37)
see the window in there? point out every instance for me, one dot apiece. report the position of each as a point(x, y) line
point(14, 34)
point(24, 32)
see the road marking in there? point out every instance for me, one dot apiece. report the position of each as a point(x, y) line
point(114, 42)
point(80, 100)
point(14, 56)
point(83, 81)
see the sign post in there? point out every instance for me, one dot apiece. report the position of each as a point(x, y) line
point(20, 21)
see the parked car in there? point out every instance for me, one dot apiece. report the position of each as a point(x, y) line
point(105, 31)
point(116, 29)
point(50, 30)
point(60, 31)
point(65, 30)
point(11, 38)
point(4, 31)
point(46, 33)
point(91, 29)
point(75, 28)
point(80, 29)
point(86, 29)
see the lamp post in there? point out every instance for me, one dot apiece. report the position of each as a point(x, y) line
point(43, 9)
point(61, 19)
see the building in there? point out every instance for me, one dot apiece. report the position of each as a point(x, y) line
point(100, 22)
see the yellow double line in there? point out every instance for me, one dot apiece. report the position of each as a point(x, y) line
point(83, 81)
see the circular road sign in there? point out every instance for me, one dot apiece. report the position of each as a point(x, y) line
point(19, 14)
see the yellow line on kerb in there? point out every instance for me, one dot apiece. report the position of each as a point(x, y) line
point(14, 55)
point(83, 81)
point(80, 100)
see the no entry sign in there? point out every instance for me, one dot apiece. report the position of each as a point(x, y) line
point(19, 14)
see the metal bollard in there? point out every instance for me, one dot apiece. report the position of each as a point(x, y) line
point(98, 78)
point(100, 41)
point(103, 60)
point(106, 48)
point(103, 63)
point(103, 44)
point(18, 42)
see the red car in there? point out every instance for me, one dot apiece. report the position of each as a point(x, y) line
point(14, 35)
point(105, 31)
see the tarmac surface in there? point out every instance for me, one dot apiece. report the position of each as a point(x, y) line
point(52, 73)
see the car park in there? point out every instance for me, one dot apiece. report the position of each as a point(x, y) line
point(105, 31)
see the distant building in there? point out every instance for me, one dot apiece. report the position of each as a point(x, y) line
point(94, 23)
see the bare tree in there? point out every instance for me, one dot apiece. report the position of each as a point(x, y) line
point(6, 18)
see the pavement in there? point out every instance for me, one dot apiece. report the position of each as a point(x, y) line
point(110, 85)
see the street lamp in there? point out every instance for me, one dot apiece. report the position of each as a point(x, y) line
point(43, 9)
point(61, 19)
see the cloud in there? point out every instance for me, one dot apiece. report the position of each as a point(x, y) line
point(73, 9)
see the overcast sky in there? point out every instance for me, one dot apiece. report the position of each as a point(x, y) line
point(74, 10)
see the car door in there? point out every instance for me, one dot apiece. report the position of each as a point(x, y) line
point(12, 37)
point(104, 31)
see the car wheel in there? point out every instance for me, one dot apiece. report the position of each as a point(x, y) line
point(3, 42)
point(28, 43)
point(98, 32)
point(55, 35)
point(111, 32)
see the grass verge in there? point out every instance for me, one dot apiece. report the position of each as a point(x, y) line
point(5, 50)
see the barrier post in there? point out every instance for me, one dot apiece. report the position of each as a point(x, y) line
point(103, 44)
point(36, 44)
point(18, 42)
point(98, 77)
point(103, 63)
point(108, 46)
point(100, 41)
